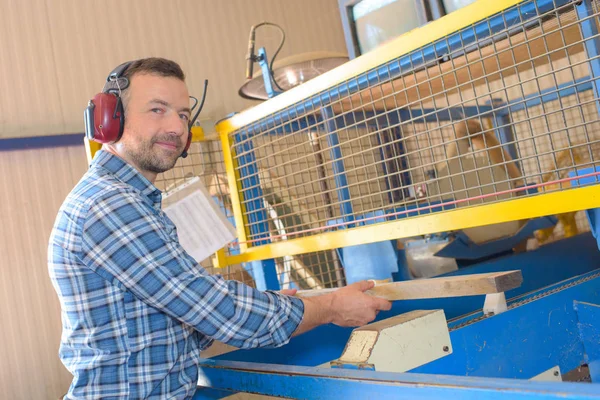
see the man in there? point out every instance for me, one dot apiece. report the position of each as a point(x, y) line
point(136, 308)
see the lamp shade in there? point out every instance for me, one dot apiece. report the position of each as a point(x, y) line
point(292, 71)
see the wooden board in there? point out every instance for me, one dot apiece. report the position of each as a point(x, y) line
point(453, 286)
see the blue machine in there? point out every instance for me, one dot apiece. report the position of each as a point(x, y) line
point(552, 320)
point(550, 329)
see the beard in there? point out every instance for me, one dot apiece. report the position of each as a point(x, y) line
point(150, 158)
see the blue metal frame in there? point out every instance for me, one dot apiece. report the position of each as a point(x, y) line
point(310, 383)
point(370, 261)
point(540, 330)
point(394, 164)
point(252, 195)
point(503, 126)
point(264, 272)
point(341, 182)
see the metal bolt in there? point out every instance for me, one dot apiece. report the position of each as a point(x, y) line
point(446, 349)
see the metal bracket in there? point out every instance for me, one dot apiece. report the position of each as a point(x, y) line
point(263, 62)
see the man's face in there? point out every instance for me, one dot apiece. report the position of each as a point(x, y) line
point(156, 123)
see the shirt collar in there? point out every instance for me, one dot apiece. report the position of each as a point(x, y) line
point(127, 174)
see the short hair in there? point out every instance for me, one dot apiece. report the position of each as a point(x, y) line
point(154, 66)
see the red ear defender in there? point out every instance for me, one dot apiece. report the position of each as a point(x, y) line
point(104, 118)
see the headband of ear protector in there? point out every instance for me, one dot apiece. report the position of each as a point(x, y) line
point(105, 117)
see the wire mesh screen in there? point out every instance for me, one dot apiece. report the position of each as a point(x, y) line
point(505, 108)
point(316, 270)
point(205, 160)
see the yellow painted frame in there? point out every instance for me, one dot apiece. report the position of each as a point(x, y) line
point(461, 218)
point(234, 189)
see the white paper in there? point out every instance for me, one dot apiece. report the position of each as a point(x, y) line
point(201, 226)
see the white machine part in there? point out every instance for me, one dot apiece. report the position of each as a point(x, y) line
point(400, 343)
point(551, 375)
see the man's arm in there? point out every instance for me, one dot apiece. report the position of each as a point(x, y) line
point(128, 243)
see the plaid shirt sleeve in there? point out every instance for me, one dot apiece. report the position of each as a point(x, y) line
point(133, 245)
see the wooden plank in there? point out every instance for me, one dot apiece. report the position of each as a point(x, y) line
point(453, 286)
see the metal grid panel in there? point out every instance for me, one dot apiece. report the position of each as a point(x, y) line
point(317, 270)
point(501, 109)
point(205, 160)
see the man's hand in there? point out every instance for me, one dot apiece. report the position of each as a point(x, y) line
point(348, 306)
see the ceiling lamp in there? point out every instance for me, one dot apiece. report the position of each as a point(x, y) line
point(276, 77)
point(292, 71)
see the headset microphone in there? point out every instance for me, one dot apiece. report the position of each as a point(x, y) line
point(185, 154)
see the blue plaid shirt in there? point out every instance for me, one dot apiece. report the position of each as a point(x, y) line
point(136, 308)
